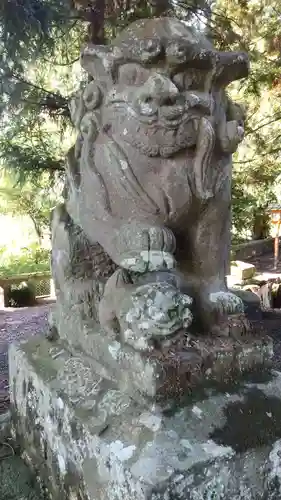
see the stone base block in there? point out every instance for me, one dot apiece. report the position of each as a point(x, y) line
point(89, 441)
point(242, 270)
point(168, 371)
point(252, 303)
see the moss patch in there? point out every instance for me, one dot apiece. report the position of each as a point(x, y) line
point(17, 482)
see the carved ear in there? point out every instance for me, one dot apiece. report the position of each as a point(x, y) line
point(100, 61)
point(235, 111)
point(231, 66)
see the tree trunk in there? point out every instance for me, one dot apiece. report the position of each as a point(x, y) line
point(37, 228)
point(93, 11)
point(96, 19)
point(160, 7)
point(260, 226)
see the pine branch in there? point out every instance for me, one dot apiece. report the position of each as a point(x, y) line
point(68, 63)
point(93, 12)
point(261, 155)
point(52, 101)
point(28, 158)
point(259, 127)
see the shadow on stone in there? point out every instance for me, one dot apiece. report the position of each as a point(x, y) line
point(250, 424)
point(213, 388)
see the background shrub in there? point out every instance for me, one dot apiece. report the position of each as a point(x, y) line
point(29, 259)
point(22, 295)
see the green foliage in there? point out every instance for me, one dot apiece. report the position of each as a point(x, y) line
point(242, 212)
point(33, 259)
point(35, 199)
point(40, 43)
point(254, 27)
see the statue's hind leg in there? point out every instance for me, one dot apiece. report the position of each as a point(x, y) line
point(204, 260)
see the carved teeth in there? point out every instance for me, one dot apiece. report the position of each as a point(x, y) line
point(171, 112)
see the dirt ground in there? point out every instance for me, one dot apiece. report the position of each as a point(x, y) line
point(265, 263)
point(16, 325)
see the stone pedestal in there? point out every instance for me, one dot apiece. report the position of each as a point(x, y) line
point(242, 270)
point(90, 441)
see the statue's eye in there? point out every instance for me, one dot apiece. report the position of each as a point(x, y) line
point(176, 52)
point(178, 79)
point(149, 50)
point(188, 80)
point(132, 74)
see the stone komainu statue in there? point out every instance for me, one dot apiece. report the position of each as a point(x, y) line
point(142, 240)
point(140, 252)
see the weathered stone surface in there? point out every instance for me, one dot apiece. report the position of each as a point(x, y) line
point(5, 424)
point(153, 355)
point(90, 441)
point(126, 401)
point(177, 365)
point(148, 185)
point(139, 268)
point(252, 303)
point(17, 481)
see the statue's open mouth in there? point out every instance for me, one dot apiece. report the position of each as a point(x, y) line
point(171, 114)
point(172, 123)
point(145, 123)
point(166, 116)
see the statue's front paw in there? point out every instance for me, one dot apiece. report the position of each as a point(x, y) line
point(226, 303)
point(148, 261)
point(143, 249)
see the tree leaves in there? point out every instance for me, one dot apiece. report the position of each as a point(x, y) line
point(34, 199)
point(256, 28)
point(40, 44)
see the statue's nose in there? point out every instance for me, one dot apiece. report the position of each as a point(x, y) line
point(160, 90)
